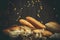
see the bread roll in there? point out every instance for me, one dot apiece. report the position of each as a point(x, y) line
point(53, 26)
point(36, 23)
point(47, 33)
point(11, 29)
point(24, 22)
point(6, 31)
point(44, 32)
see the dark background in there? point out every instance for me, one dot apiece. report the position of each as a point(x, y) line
point(8, 16)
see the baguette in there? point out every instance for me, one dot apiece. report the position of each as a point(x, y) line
point(24, 22)
point(45, 33)
point(36, 23)
point(7, 30)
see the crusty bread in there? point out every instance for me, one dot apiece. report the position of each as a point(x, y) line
point(11, 29)
point(53, 26)
point(44, 32)
point(25, 22)
point(36, 23)
point(47, 33)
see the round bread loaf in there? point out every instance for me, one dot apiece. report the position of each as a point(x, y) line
point(53, 26)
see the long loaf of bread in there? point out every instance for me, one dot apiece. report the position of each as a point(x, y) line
point(36, 23)
point(24, 22)
point(44, 33)
point(47, 33)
